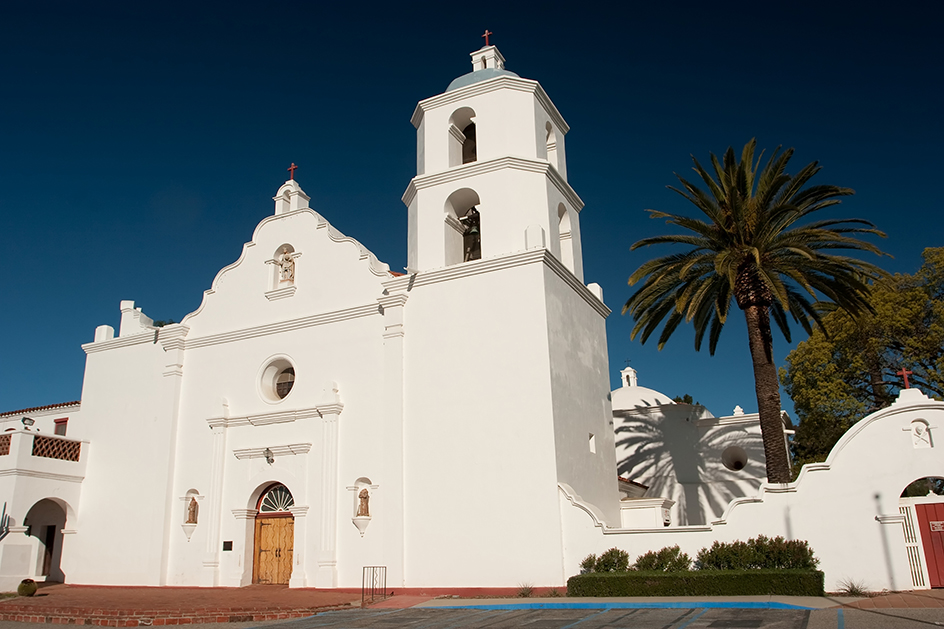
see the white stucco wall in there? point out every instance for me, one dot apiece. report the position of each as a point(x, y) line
point(847, 508)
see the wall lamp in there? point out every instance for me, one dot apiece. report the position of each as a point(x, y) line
point(269, 457)
point(27, 422)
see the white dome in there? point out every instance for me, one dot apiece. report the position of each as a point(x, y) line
point(629, 398)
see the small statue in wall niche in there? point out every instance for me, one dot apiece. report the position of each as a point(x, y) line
point(193, 509)
point(286, 266)
point(363, 503)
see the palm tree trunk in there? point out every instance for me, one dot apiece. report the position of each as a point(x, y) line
point(768, 393)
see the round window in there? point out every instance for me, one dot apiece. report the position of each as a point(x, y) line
point(277, 380)
point(734, 458)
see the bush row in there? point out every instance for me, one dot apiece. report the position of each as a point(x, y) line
point(698, 583)
point(760, 553)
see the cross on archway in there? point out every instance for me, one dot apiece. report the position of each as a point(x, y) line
point(904, 374)
point(291, 169)
point(486, 34)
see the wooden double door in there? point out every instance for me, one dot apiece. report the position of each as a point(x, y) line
point(274, 541)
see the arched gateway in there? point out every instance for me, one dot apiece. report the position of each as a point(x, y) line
point(274, 537)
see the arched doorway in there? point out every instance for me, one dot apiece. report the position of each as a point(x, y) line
point(45, 520)
point(922, 505)
point(274, 537)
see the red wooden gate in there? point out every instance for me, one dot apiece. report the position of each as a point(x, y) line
point(931, 523)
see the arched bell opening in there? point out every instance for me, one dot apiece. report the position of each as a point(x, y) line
point(566, 237)
point(462, 227)
point(274, 536)
point(462, 142)
point(550, 142)
point(45, 520)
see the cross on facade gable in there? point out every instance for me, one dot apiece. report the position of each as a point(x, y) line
point(291, 169)
point(904, 374)
point(486, 34)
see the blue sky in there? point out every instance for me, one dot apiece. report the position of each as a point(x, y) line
point(141, 143)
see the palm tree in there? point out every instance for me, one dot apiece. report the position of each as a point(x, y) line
point(751, 249)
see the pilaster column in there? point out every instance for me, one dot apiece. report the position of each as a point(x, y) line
point(393, 507)
point(298, 579)
point(173, 341)
point(211, 560)
point(242, 573)
point(327, 574)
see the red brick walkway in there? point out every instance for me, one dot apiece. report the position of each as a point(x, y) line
point(145, 606)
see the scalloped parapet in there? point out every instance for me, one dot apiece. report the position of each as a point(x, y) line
point(291, 201)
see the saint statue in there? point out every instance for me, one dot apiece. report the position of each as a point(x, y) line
point(286, 266)
point(363, 506)
point(192, 509)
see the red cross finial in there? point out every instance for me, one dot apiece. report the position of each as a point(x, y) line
point(291, 169)
point(904, 374)
point(487, 33)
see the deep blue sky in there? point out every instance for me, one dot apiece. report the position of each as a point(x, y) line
point(140, 143)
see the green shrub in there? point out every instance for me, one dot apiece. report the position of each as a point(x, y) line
point(613, 560)
point(669, 559)
point(761, 553)
point(698, 583)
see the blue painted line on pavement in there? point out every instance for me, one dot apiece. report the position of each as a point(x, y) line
point(628, 605)
point(692, 619)
point(574, 624)
point(840, 620)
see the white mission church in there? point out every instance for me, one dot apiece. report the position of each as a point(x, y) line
point(313, 415)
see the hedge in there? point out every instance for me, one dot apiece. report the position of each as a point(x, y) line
point(698, 583)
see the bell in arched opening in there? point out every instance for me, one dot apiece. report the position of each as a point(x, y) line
point(471, 236)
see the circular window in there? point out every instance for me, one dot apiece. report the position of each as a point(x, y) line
point(278, 379)
point(734, 458)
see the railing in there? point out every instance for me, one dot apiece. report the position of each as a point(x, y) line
point(62, 449)
point(373, 584)
point(4, 444)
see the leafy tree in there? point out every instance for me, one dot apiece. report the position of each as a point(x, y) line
point(751, 249)
point(685, 399)
point(848, 370)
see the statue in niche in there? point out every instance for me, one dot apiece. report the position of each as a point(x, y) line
point(363, 504)
point(286, 266)
point(192, 510)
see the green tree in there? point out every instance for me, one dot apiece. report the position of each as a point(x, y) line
point(850, 368)
point(752, 250)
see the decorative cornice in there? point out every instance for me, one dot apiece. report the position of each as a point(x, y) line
point(508, 261)
point(259, 453)
point(280, 293)
point(484, 87)
point(121, 341)
point(473, 169)
point(392, 301)
point(277, 417)
point(71, 478)
point(245, 514)
point(285, 326)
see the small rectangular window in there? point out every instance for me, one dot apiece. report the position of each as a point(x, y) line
point(61, 426)
point(593, 443)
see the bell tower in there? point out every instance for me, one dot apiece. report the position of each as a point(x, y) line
point(491, 172)
point(505, 381)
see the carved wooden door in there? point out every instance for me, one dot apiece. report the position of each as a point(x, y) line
point(274, 541)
